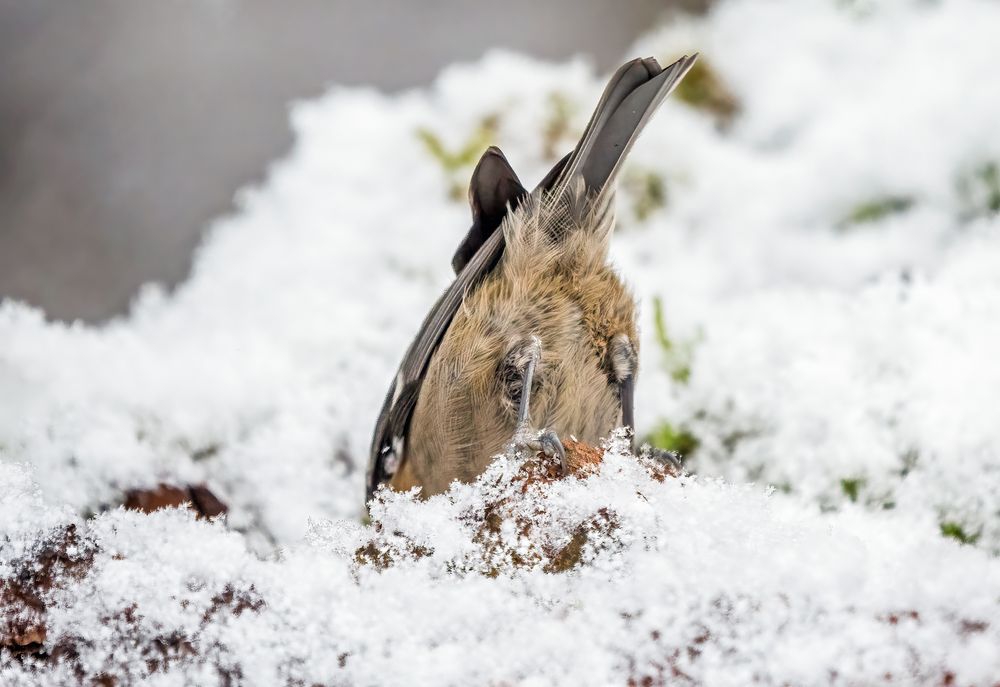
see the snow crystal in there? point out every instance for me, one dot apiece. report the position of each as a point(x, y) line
point(815, 248)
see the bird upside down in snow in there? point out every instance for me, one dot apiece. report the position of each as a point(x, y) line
point(536, 336)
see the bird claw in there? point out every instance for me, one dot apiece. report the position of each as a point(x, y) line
point(669, 458)
point(547, 442)
point(551, 445)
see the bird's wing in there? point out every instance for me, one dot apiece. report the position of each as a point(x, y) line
point(631, 96)
point(493, 191)
point(397, 409)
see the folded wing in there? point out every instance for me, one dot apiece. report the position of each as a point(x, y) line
point(631, 96)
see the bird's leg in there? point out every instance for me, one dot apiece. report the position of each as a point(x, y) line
point(625, 366)
point(523, 361)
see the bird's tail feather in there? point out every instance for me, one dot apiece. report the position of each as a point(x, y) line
point(630, 98)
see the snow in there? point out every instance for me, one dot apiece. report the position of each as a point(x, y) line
point(851, 364)
point(724, 583)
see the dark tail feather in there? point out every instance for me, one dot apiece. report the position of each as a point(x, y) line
point(630, 98)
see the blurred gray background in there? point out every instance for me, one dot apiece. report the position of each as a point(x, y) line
point(126, 125)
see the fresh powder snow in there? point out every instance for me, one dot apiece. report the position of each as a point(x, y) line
point(812, 230)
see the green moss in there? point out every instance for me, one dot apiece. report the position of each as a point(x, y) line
point(468, 153)
point(852, 487)
point(876, 209)
point(660, 325)
point(860, 9)
point(731, 440)
point(955, 531)
point(455, 163)
point(989, 175)
point(648, 191)
point(677, 357)
point(908, 460)
point(669, 438)
point(705, 90)
point(980, 190)
point(206, 452)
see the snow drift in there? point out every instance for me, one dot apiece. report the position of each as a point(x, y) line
point(812, 230)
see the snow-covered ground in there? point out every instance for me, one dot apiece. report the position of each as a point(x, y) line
point(817, 254)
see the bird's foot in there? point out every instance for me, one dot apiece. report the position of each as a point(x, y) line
point(545, 441)
point(670, 459)
point(520, 364)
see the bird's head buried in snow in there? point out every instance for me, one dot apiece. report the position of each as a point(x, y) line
point(536, 337)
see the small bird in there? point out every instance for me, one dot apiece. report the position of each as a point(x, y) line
point(536, 336)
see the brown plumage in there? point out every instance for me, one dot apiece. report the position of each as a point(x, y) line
point(535, 302)
point(558, 289)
